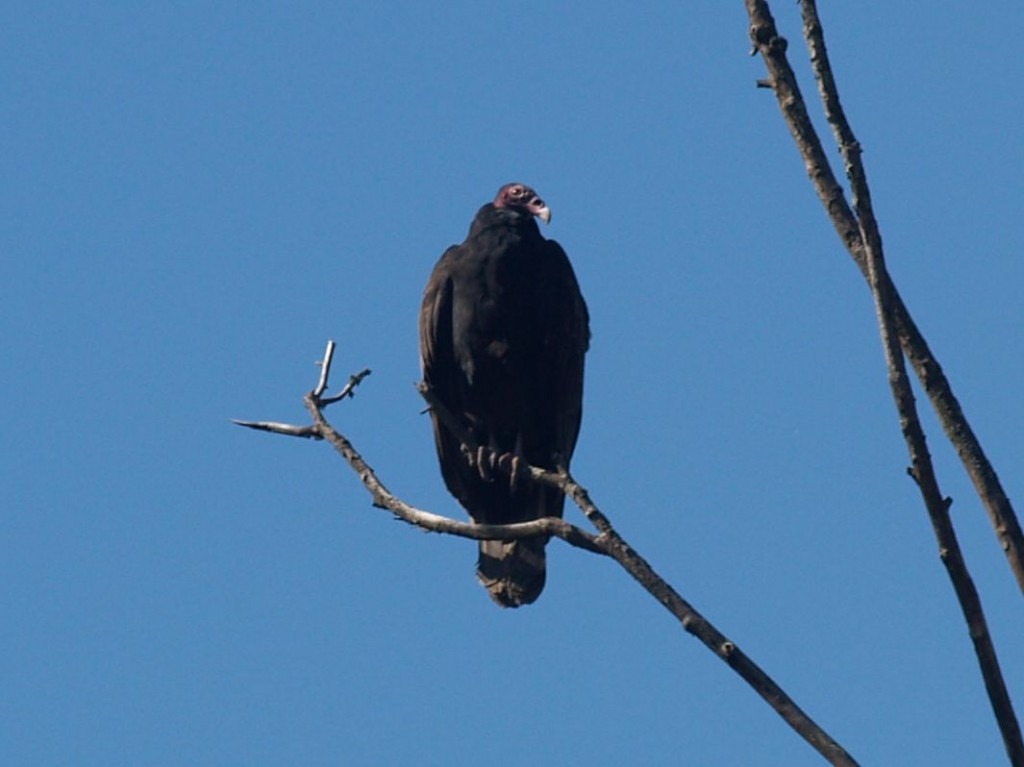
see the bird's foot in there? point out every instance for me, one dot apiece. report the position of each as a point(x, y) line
point(511, 463)
point(561, 465)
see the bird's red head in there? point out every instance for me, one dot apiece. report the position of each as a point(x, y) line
point(521, 198)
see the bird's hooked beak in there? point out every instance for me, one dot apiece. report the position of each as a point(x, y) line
point(538, 208)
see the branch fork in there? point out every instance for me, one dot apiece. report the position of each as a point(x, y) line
point(312, 431)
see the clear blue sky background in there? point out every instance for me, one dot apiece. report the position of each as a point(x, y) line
point(196, 196)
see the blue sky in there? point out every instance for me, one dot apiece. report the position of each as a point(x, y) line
point(196, 198)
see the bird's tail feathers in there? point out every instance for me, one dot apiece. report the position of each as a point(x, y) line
point(513, 572)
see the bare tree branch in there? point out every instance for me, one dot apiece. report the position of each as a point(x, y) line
point(348, 390)
point(922, 469)
point(887, 306)
point(954, 422)
point(287, 429)
point(559, 480)
point(608, 542)
point(435, 523)
point(312, 431)
point(325, 369)
point(782, 80)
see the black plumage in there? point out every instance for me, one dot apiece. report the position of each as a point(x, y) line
point(503, 333)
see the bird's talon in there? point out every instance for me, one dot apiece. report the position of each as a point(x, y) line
point(485, 463)
point(515, 466)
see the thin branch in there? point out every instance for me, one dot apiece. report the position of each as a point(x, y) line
point(312, 431)
point(608, 542)
point(287, 429)
point(349, 390)
point(937, 507)
point(781, 78)
point(887, 308)
point(435, 523)
point(923, 470)
point(325, 369)
point(960, 434)
point(954, 422)
point(696, 624)
point(559, 480)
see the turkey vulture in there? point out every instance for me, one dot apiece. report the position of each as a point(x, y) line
point(503, 331)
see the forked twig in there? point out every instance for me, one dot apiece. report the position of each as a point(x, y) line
point(312, 431)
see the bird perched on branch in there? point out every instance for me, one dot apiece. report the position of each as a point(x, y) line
point(503, 333)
